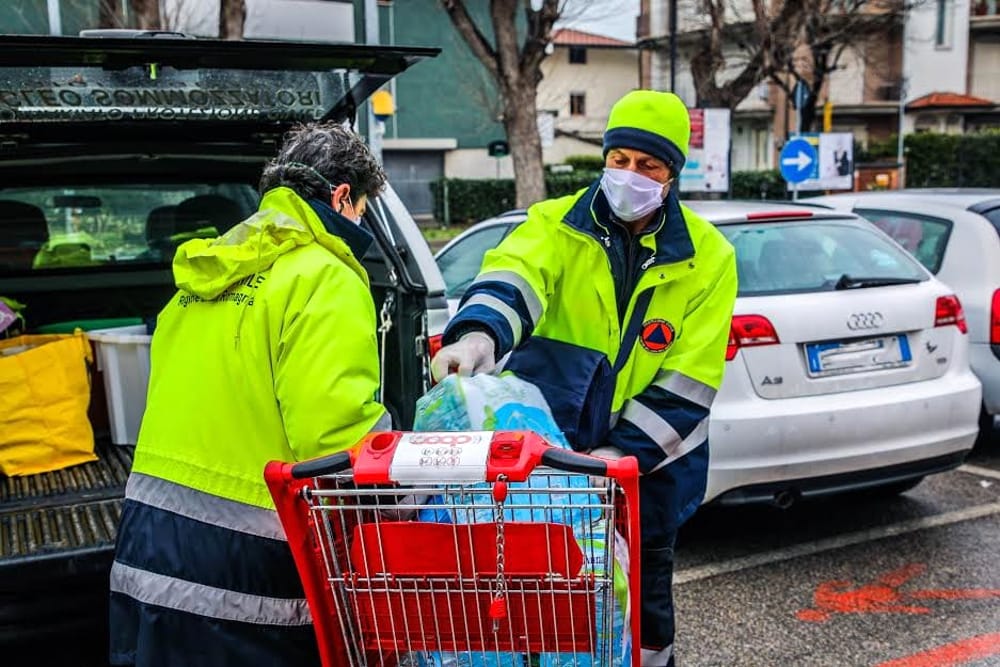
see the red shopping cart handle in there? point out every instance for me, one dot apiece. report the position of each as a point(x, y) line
point(570, 461)
point(325, 465)
point(510, 454)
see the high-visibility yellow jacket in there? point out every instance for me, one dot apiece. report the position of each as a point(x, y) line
point(564, 289)
point(268, 351)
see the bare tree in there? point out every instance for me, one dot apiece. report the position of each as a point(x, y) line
point(830, 30)
point(772, 27)
point(146, 14)
point(109, 14)
point(784, 42)
point(515, 66)
point(232, 15)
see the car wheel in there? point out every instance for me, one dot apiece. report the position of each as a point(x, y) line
point(987, 437)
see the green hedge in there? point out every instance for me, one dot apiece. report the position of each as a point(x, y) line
point(766, 184)
point(470, 200)
point(932, 160)
point(953, 160)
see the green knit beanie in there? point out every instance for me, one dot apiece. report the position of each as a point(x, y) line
point(653, 122)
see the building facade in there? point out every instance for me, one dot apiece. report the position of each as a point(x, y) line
point(939, 70)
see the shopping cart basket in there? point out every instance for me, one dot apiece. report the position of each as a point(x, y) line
point(470, 548)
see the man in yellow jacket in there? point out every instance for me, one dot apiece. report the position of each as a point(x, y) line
point(267, 351)
point(617, 302)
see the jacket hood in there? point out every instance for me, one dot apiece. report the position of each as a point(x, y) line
point(283, 222)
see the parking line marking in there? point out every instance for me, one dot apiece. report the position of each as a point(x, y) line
point(979, 470)
point(700, 572)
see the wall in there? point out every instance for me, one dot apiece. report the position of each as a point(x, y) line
point(476, 163)
point(451, 95)
point(930, 68)
point(846, 85)
point(607, 75)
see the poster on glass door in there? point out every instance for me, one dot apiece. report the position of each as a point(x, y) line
point(707, 166)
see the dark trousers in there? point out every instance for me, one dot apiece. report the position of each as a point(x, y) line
point(657, 569)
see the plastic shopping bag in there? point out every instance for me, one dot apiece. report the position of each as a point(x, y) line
point(505, 402)
point(44, 394)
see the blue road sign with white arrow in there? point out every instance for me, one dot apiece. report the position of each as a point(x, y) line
point(799, 160)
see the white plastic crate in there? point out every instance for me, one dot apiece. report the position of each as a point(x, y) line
point(123, 358)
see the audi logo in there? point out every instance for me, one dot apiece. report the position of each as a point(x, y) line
point(858, 321)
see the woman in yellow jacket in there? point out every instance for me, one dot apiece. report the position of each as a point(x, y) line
point(267, 351)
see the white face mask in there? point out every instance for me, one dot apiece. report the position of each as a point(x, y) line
point(631, 195)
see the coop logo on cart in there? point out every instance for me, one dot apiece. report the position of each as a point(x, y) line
point(441, 457)
point(448, 439)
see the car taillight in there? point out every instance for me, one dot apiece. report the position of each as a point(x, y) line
point(749, 331)
point(995, 319)
point(949, 311)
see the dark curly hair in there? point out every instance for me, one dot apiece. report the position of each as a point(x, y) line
point(314, 151)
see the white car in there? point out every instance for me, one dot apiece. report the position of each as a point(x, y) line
point(847, 366)
point(956, 234)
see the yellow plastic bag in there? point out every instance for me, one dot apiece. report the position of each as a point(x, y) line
point(44, 394)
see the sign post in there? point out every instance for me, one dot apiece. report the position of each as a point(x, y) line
point(498, 149)
point(799, 162)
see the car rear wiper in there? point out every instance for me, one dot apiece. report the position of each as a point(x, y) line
point(856, 282)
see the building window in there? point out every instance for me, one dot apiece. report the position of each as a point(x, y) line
point(577, 104)
point(942, 27)
point(577, 55)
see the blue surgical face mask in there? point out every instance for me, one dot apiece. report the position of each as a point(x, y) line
point(631, 195)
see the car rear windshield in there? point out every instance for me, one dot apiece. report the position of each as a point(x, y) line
point(925, 237)
point(813, 256)
point(90, 226)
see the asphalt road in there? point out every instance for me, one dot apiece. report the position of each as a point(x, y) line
point(909, 581)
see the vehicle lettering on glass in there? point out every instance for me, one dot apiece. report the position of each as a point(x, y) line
point(859, 321)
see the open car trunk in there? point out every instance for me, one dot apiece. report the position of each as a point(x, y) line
point(104, 144)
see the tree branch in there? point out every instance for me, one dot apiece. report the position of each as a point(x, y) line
point(470, 32)
point(503, 14)
point(539, 36)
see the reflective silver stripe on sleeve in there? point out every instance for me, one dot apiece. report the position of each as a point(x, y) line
point(384, 423)
point(662, 433)
point(521, 285)
point(654, 658)
point(204, 507)
point(496, 304)
point(677, 383)
point(697, 437)
point(186, 596)
point(615, 416)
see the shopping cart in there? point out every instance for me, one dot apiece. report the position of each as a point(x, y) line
point(470, 548)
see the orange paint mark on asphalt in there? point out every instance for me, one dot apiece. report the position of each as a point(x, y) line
point(949, 655)
point(883, 596)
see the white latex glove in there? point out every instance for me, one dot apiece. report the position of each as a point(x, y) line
point(472, 353)
point(604, 452)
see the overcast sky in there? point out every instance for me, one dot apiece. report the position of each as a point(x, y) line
point(612, 18)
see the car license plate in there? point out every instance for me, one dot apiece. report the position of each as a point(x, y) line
point(856, 356)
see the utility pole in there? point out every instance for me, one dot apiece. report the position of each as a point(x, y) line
point(375, 127)
point(900, 157)
point(673, 45)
